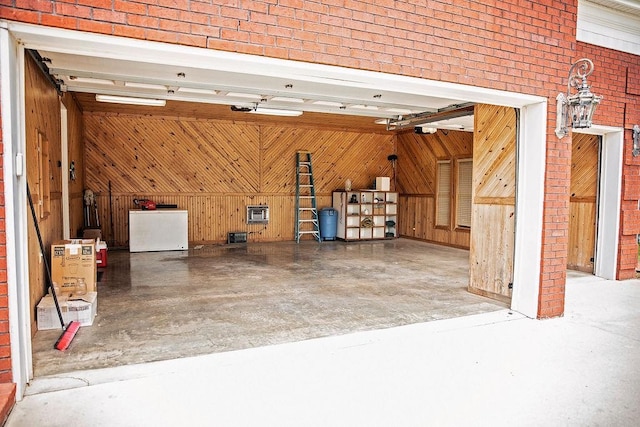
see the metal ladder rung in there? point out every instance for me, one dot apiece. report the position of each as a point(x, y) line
point(308, 220)
point(307, 232)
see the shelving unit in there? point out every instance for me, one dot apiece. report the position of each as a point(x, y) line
point(366, 214)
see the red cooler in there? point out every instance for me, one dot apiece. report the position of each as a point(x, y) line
point(101, 254)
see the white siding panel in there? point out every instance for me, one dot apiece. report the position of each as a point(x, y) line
point(608, 27)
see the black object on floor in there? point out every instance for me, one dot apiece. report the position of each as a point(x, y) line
point(72, 328)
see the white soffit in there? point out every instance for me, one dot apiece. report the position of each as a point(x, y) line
point(614, 24)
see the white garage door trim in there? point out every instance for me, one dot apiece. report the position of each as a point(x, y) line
point(532, 141)
point(609, 200)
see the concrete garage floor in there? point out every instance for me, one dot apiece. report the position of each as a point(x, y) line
point(492, 369)
point(167, 305)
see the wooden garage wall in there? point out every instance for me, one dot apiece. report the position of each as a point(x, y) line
point(42, 120)
point(494, 191)
point(215, 168)
point(75, 137)
point(582, 203)
point(417, 167)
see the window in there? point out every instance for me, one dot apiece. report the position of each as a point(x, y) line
point(463, 193)
point(443, 195)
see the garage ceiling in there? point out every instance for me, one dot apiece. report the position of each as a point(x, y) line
point(205, 92)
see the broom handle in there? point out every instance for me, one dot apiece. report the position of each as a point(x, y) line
point(44, 257)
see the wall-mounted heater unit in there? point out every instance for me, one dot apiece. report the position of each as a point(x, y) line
point(237, 237)
point(257, 214)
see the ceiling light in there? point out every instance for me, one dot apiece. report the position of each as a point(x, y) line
point(285, 99)
point(363, 107)
point(90, 80)
point(145, 85)
point(198, 91)
point(328, 103)
point(400, 111)
point(276, 112)
point(132, 101)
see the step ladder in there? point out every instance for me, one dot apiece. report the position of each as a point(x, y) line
point(306, 210)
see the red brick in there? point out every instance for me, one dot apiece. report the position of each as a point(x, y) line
point(35, 5)
point(109, 16)
point(142, 21)
point(72, 10)
point(130, 7)
point(94, 27)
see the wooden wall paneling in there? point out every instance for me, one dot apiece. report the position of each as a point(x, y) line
point(214, 169)
point(336, 157)
point(75, 140)
point(42, 116)
point(417, 166)
point(582, 236)
point(491, 256)
point(146, 155)
point(492, 237)
point(405, 216)
point(582, 203)
point(584, 165)
point(460, 238)
point(494, 165)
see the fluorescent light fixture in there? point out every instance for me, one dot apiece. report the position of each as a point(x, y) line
point(328, 103)
point(401, 111)
point(92, 81)
point(286, 99)
point(363, 107)
point(198, 91)
point(276, 112)
point(132, 101)
point(145, 86)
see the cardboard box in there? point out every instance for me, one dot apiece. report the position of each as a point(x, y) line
point(81, 308)
point(71, 260)
point(383, 183)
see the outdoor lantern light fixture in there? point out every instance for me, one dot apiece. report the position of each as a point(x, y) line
point(576, 110)
point(636, 140)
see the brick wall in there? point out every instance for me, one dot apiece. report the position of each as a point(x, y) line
point(525, 46)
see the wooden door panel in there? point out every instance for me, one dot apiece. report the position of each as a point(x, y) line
point(582, 203)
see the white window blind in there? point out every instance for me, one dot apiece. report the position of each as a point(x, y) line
point(443, 197)
point(463, 199)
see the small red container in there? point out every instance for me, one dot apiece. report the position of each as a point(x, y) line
point(101, 254)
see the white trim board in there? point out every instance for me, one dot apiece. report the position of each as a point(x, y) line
point(12, 98)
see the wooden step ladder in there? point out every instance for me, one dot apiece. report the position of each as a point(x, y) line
point(306, 210)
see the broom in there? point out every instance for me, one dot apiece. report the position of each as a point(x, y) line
point(72, 328)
